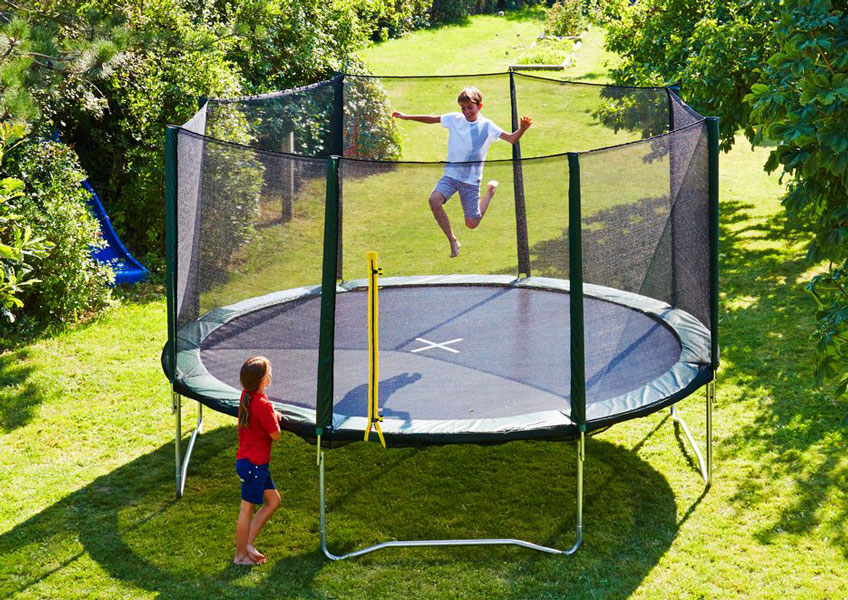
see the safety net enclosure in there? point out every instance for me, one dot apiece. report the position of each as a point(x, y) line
point(587, 296)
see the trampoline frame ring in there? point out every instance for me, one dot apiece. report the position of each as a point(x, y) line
point(677, 382)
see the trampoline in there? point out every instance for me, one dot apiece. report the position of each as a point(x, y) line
point(608, 312)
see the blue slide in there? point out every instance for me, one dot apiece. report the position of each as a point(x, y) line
point(127, 268)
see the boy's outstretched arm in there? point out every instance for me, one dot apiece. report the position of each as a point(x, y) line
point(419, 118)
point(523, 125)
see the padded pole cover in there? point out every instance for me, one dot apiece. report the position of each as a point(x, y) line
point(575, 268)
point(171, 245)
point(324, 400)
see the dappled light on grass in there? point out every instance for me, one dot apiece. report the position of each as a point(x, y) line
point(21, 392)
point(796, 428)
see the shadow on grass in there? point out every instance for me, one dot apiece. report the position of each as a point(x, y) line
point(590, 76)
point(128, 523)
point(21, 393)
point(797, 432)
point(536, 13)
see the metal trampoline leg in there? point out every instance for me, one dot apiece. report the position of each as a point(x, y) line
point(324, 548)
point(180, 461)
point(705, 465)
point(581, 457)
point(581, 454)
point(710, 400)
point(176, 406)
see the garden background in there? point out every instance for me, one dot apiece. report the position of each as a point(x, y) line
point(87, 504)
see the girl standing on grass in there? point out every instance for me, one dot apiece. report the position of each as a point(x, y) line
point(258, 426)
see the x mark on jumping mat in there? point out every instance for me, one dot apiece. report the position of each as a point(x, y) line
point(442, 345)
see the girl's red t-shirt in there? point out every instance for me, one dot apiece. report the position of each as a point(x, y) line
point(255, 440)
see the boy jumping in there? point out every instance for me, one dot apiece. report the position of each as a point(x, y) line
point(469, 137)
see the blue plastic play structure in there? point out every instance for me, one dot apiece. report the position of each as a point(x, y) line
point(127, 268)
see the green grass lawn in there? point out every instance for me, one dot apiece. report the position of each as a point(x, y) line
point(87, 506)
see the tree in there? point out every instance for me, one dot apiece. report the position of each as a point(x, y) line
point(779, 72)
point(714, 50)
point(801, 102)
point(58, 57)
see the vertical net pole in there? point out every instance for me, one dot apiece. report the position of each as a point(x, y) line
point(326, 341)
point(171, 243)
point(578, 361)
point(575, 269)
point(171, 283)
point(713, 148)
point(522, 242)
point(337, 149)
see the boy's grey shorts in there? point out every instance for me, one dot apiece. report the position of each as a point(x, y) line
point(469, 195)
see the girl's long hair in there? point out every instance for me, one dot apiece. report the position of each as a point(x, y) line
point(252, 372)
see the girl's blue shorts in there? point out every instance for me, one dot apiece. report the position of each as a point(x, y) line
point(255, 479)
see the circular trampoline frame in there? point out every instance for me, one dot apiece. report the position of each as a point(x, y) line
point(689, 372)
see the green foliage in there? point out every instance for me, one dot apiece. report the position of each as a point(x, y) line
point(565, 18)
point(179, 54)
point(293, 42)
point(831, 335)
point(71, 284)
point(778, 71)
point(392, 18)
point(714, 50)
point(18, 247)
point(40, 62)
point(802, 104)
point(370, 131)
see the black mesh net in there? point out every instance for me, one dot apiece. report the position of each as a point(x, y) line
point(575, 117)
point(252, 191)
point(646, 231)
point(249, 222)
point(296, 121)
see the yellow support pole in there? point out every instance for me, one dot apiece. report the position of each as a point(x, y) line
point(374, 417)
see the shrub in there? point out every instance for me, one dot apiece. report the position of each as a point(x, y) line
point(547, 52)
point(18, 248)
point(392, 18)
point(71, 283)
point(565, 18)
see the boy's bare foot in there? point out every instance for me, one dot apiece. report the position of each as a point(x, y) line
point(455, 245)
point(255, 555)
point(492, 187)
point(244, 560)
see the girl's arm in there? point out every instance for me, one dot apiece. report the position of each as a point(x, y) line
point(523, 125)
point(419, 118)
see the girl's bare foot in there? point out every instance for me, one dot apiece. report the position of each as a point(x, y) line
point(255, 555)
point(244, 560)
point(455, 245)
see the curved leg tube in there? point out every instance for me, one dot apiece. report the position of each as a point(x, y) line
point(182, 462)
point(705, 465)
point(458, 542)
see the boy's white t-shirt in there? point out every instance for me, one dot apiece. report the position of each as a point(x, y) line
point(468, 141)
